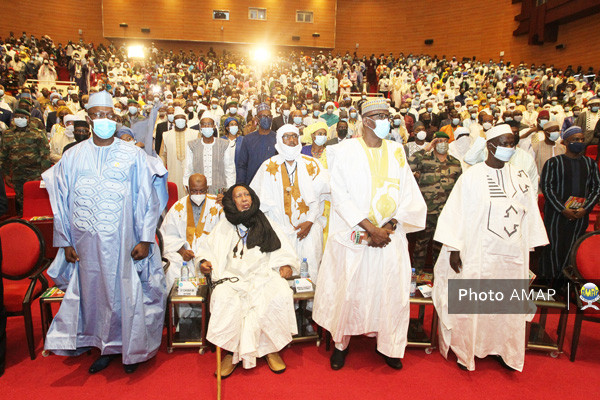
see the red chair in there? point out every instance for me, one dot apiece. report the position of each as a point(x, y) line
point(541, 203)
point(173, 197)
point(36, 202)
point(23, 264)
point(583, 267)
point(592, 151)
point(11, 196)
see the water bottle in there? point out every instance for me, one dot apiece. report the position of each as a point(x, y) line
point(185, 272)
point(413, 283)
point(304, 269)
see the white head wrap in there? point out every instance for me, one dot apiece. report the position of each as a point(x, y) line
point(287, 152)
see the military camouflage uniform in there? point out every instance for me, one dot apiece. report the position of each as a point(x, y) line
point(436, 181)
point(240, 120)
point(24, 155)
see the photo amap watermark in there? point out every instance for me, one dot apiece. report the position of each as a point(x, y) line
point(495, 296)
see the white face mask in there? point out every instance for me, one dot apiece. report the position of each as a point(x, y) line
point(289, 153)
point(197, 199)
point(70, 131)
point(133, 110)
point(170, 117)
point(286, 113)
point(554, 136)
point(320, 140)
point(487, 126)
point(233, 110)
point(504, 153)
point(20, 122)
point(180, 123)
point(233, 129)
point(421, 135)
point(207, 132)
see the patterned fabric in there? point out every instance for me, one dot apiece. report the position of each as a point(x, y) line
point(436, 179)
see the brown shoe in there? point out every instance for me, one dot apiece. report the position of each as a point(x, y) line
point(227, 366)
point(276, 363)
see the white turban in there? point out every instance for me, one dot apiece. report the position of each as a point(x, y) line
point(209, 115)
point(287, 152)
point(498, 130)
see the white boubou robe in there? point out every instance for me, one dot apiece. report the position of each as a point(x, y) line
point(482, 204)
point(290, 204)
point(178, 229)
point(174, 151)
point(254, 316)
point(362, 289)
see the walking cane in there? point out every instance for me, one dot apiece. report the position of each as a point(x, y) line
point(208, 294)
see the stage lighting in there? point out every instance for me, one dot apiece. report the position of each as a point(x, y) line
point(261, 54)
point(135, 52)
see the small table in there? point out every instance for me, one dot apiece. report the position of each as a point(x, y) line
point(416, 332)
point(51, 296)
point(302, 313)
point(538, 338)
point(183, 331)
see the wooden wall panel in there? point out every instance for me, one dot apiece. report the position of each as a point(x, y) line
point(466, 28)
point(60, 20)
point(192, 21)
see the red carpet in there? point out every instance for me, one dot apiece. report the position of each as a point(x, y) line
point(189, 375)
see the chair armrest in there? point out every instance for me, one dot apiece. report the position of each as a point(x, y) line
point(45, 264)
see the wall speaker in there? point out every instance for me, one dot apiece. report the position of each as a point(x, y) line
point(428, 41)
point(296, 38)
point(123, 25)
point(316, 34)
point(145, 30)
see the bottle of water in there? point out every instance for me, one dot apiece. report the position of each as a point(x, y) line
point(304, 269)
point(185, 272)
point(413, 283)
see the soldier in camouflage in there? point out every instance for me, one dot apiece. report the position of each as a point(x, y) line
point(24, 154)
point(436, 173)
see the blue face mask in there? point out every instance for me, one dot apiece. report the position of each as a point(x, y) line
point(104, 128)
point(207, 132)
point(297, 120)
point(576, 147)
point(265, 122)
point(455, 121)
point(382, 128)
point(504, 153)
point(595, 109)
point(316, 113)
point(543, 122)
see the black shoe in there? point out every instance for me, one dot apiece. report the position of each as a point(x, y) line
point(501, 361)
point(461, 366)
point(101, 363)
point(338, 359)
point(130, 368)
point(395, 363)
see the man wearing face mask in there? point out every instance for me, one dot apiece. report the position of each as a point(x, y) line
point(62, 138)
point(24, 154)
point(566, 177)
point(549, 147)
point(108, 262)
point(173, 151)
point(282, 119)
point(81, 132)
point(256, 147)
point(375, 202)
point(418, 144)
point(341, 133)
point(186, 224)
point(478, 204)
point(436, 173)
point(133, 113)
point(587, 120)
point(293, 188)
point(313, 116)
point(163, 127)
point(208, 156)
point(534, 134)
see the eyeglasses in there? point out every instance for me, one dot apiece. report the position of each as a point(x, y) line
point(290, 136)
point(101, 115)
point(381, 116)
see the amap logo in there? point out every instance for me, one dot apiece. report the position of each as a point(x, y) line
point(589, 294)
